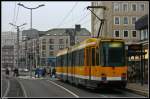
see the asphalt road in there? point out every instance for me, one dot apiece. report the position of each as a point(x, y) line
point(5, 85)
point(10, 87)
point(24, 86)
point(56, 88)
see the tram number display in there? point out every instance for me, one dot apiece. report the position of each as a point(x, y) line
point(115, 44)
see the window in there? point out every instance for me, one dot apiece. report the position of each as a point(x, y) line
point(97, 56)
point(87, 56)
point(116, 6)
point(141, 7)
point(51, 47)
point(116, 20)
point(134, 33)
point(93, 56)
point(44, 41)
point(116, 33)
point(133, 7)
point(125, 20)
point(145, 34)
point(125, 7)
point(112, 54)
point(51, 41)
point(61, 46)
point(81, 57)
point(51, 53)
point(125, 33)
point(134, 20)
point(43, 54)
point(77, 58)
point(61, 41)
point(43, 47)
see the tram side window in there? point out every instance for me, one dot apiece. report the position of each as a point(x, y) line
point(69, 59)
point(97, 57)
point(57, 61)
point(79, 57)
point(76, 58)
point(73, 59)
point(101, 56)
point(62, 61)
point(93, 56)
point(87, 57)
point(82, 57)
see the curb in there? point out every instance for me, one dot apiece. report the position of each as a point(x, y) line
point(140, 92)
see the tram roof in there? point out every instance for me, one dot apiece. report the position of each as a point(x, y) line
point(62, 52)
point(85, 43)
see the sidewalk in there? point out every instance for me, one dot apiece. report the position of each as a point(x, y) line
point(138, 88)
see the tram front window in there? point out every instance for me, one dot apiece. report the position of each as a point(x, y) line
point(114, 54)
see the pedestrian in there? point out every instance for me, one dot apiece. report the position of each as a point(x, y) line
point(44, 72)
point(17, 72)
point(37, 72)
point(7, 72)
point(50, 72)
point(54, 72)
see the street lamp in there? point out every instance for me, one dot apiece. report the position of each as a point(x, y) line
point(31, 9)
point(17, 40)
point(31, 17)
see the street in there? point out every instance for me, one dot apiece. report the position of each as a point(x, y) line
point(32, 87)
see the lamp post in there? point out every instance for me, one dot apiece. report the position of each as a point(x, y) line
point(18, 30)
point(31, 17)
point(31, 10)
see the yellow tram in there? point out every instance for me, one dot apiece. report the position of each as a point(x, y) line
point(95, 62)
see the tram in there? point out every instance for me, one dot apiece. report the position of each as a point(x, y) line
point(95, 62)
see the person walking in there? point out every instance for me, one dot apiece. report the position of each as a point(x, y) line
point(54, 73)
point(50, 74)
point(44, 72)
point(37, 73)
point(7, 72)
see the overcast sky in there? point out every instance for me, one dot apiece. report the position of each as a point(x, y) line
point(52, 15)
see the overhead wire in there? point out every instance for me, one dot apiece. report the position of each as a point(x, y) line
point(69, 21)
point(68, 14)
point(13, 19)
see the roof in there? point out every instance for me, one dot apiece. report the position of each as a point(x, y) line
point(67, 31)
point(142, 23)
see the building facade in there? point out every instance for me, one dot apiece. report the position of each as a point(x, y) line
point(142, 26)
point(41, 50)
point(120, 17)
point(58, 39)
point(7, 56)
point(8, 40)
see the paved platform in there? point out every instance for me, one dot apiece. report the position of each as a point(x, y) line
point(138, 88)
